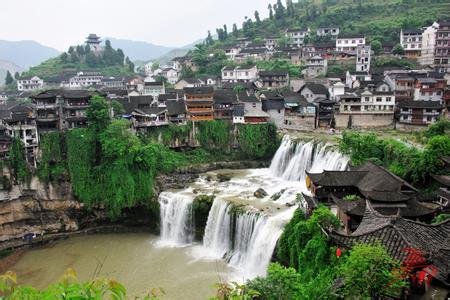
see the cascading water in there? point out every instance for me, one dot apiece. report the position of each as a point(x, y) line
point(246, 237)
point(176, 218)
point(292, 160)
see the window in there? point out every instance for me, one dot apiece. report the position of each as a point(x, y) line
point(379, 99)
point(388, 99)
point(367, 99)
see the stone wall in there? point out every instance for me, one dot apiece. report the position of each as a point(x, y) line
point(364, 120)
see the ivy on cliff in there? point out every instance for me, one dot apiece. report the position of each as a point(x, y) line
point(258, 141)
point(17, 161)
point(215, 135)
point(52, 162)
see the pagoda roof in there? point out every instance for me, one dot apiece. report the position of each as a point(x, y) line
point(93, 36)
point(398, 235)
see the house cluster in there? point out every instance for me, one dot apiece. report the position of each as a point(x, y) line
point(429, 45)
point(79, 80)
point(373, 204)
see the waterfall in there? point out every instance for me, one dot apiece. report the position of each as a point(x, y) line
point(177, 226)
point(246, 239)
point(292, 159)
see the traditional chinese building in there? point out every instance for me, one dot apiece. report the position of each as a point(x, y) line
point(199, 103)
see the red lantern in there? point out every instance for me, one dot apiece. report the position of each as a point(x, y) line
point(338, 252)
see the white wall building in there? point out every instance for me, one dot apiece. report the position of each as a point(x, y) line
point(27, 84)
point(411, 41)
point(85, 79)
point(363, 56)
point(297, 36)
point(349, 43)
point(170, 74)
point(323, 31)
point(230, 74)
point(428, 44)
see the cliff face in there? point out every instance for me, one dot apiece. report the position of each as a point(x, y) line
point(40, 209)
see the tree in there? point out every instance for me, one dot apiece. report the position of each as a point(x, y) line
point(9, 79)
point(270, 11)
point(376, 47)
point(209, 39)
point(91, 60)
point(155, 66)
point(257, 19)
point(279, 10)
point(64, 58)
point(235, 30)
point(117, 108)
point(186, 72)
point(398, 49)
point(225, 32)
point(108, 45)
point(98, 114)
point(129, 63)
point(369, 271)
point(16, 75)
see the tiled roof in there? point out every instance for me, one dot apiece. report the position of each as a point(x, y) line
point(175, 107)
point(398, 235)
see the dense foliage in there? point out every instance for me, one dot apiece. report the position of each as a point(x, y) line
point(109, 166)
point(52, 163)
point(377, 20)
point(68, 288)
point(258, 141)
point(409, 162)
point(215, 135)
point(311, 266)
point(17, 162)
point(370, 271)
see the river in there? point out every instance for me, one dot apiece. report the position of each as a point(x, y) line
point(132, 259)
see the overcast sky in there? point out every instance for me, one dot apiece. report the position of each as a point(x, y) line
point(60, 23)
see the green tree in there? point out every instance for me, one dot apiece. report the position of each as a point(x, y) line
point(155, 66)
point(257, 19)
point(398, 49)
point(270, 11)
point(376, 47)
point(280, 283)
point(235, 30)
point(369, 271)
point(91, 60)
point(117, 108)
point(209, 39)
point(98, 114)
point(16, 75)
point(8, 79)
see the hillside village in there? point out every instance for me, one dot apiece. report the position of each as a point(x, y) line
point(294, 80)
point(364, 96)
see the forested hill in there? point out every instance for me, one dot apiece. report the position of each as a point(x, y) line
point(378, 19)
point(109, 61)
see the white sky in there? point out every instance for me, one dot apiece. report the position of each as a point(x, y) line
point(61, 23)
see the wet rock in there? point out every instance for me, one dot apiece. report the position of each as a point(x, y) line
point(290, 204)
point(277, 196)
point(223, 177)
point(260, 193)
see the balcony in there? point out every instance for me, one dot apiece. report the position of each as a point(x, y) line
point(42, 106)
